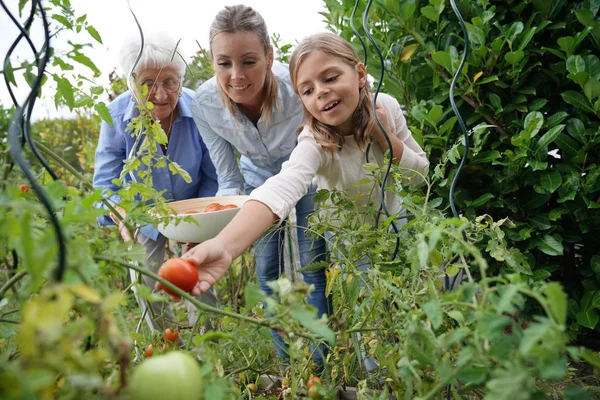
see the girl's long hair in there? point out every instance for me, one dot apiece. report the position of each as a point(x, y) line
point(362, 118)
point(243, 18)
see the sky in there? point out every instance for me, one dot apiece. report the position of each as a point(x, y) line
point(188, 20)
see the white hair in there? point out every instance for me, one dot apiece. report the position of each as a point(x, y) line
point(160, 51)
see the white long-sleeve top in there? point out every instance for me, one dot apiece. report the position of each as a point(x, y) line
point(340, 170)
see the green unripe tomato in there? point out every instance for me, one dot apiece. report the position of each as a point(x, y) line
point(175, 375)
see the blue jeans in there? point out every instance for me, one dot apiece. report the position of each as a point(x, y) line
point(270, 265)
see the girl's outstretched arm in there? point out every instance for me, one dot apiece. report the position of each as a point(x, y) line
point(213, 257)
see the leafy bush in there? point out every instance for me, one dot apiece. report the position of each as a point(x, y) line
point(530, 94)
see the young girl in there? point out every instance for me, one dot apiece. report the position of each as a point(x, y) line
point(250, 106)
point(332, 84)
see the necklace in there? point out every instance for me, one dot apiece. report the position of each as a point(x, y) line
point(168, 132)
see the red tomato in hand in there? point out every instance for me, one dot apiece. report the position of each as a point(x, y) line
point(179, 272)
point(213, 207)
point(170, 335)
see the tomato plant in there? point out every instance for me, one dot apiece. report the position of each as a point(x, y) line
point(179, 272)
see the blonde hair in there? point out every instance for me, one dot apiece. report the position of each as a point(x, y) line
point(243, 18)
point(362, 118)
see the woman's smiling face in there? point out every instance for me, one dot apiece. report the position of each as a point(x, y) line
point(241, 66)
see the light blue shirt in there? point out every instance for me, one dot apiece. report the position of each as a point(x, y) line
point(263, 148)
point(186, 148)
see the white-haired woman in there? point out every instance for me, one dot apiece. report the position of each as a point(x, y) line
point(161, 69)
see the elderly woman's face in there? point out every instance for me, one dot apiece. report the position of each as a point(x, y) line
point(164, 87)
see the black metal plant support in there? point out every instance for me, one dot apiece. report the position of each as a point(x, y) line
point(19, 130)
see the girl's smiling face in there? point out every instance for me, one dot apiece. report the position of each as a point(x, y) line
point(241, 66)
point(329, 89)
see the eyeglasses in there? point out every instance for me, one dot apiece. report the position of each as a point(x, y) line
point(170, 85)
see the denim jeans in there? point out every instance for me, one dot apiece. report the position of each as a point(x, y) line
point(269, 253)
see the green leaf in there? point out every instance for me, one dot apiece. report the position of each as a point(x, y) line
point(566, 44)
point(408, 10)
point(591, 89)
point(568, 145)
point(516, 261)
point(63, 20)
point(513, 57)
point(589, 318)
point(481, 200)
point(491, 325)
point(443, 59)
point(586, 17)
point(549, 137)
point(550, 245)
point(556, 213)
point(456, 315)
point(308, 319)
point(575, 64)
point(103, 112)
point(430, 13)
point(473, 375)
point(66, 91)
point(533, 123)
point(578, 100)
point(253, 295)
point(577, 130)
point(434, 313)
point(595, 264)
point(555, 119)
point(94, 33)
point(177, 170)
point(505, 304)
point(8, 72)
point(435, 114)
point(84, 60)
point(551, 180)
point(557, 301)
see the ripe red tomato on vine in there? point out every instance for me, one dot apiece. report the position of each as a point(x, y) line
point(171, 335)
point(180, 273)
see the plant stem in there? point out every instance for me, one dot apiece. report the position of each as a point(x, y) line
point(193, 300)
point(9, 283)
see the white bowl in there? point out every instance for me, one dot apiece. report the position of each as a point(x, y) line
point(209, 223)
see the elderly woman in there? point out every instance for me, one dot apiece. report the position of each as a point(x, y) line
point(162, 71)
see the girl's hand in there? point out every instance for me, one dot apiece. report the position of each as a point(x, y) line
point(212, 259)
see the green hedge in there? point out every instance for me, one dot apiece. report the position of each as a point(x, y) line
point(530, 96)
